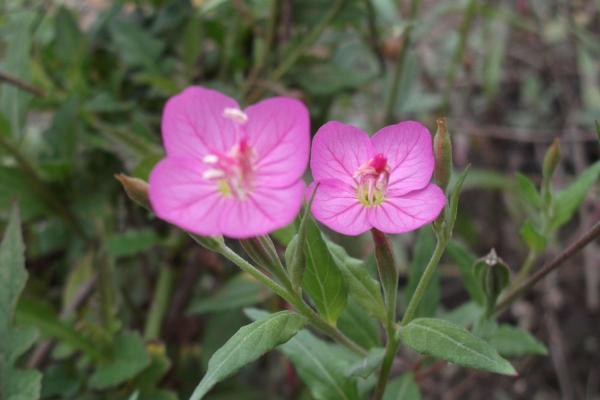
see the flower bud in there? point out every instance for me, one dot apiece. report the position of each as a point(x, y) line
point(262, 251)
point(136, 189)
point(442, 149)
point(551, 160)
point(493, 276)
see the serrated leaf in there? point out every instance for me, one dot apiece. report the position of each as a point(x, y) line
point(532, 237)
point(527, 191)
point(568, 200)
point(366, 366)
point(361, 286)
point(403, 388)
point(510, 341)
point(248, 344)
point(322, 279)
point(240, 291)
point(129, 358)
point(14, 383)
point(450, 342)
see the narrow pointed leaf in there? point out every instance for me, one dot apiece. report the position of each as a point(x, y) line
point(14, 383)
point(248, 344)
point(366, 366)
point(323, 281)
point(403, 388)
point(450, 342)
point(510, 341)
point(361, 286)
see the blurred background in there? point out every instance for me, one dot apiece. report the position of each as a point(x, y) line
point(82, 86)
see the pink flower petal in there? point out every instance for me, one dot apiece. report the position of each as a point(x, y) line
point(409, 151)
point(399, 214)
point(336, 206)
point(278, 131)
point(193, 124)
point(337, 152)
point(262, 212)
point(180, 195)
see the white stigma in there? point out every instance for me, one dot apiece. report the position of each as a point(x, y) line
point(210, 159)
point(213, 173)
point(236, 115)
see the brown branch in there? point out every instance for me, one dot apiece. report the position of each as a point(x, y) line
point(579, 244)
point(12, 80)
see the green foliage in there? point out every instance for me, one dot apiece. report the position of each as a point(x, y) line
point(323, 280)
point(568, 200)
point(422, 252)
point(368, 365)
point(403, 388)
point(248, 344)
point(15, 383)
point(240, 291)
point(443, 339)
point(514, 342)
point(128, 357)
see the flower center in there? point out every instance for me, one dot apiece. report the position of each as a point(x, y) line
point(233, 171)
point(372, 180)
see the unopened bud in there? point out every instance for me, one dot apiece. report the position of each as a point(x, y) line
point(442, 150)
point(262, 251)
point(493, 276)
point(136, 189)
point(551, 160)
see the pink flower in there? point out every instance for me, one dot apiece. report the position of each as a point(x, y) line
point(380, 182)
point(227, 171)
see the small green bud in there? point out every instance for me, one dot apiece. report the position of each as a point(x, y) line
point(262, 251)
point(442, 150)
point(493, 276)
point(551, 160)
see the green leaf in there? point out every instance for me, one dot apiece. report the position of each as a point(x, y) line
point(361, 286)
point(403, 388)
point(129, 358)
point(423, 249)
point(534, 239)
point(320, 366)
point(568, 200)
point(367, 365)
point(248, 344)
point(296, 253)
point(464, 260)
point(510, 341)
point(131, 242)
point(14, 383)
point(450, 342)
point(452, 208)
point(323, 280)
point(527, 191)
point(39, 314)
point(136, 46)
point(240, 291)
point(358, 326)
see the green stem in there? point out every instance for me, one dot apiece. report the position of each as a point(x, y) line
point(388, 361)
point(579, 244)
point(160, 303)
point(388, 275)
point(526, 267)
point(293, 56)
point(416, 298)
point(406, 44)
point(293, 299)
